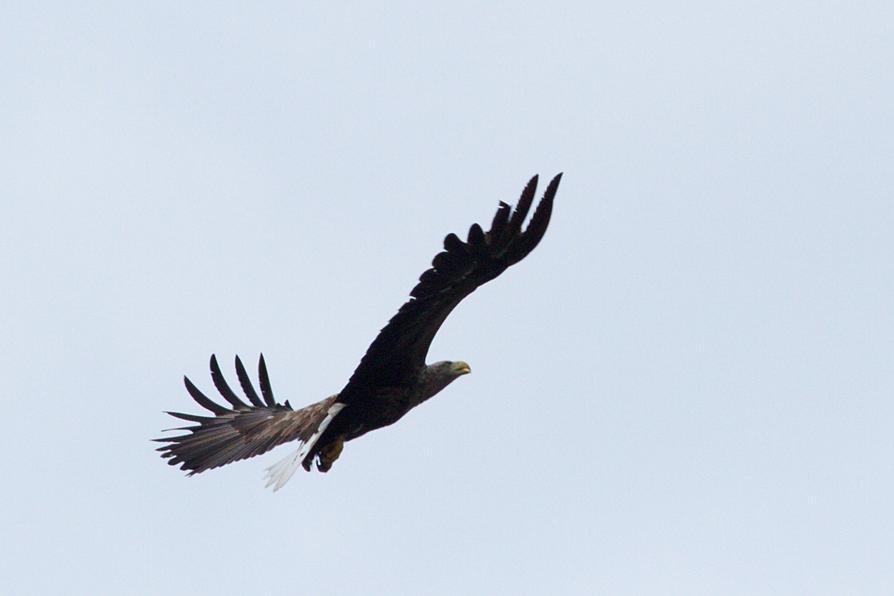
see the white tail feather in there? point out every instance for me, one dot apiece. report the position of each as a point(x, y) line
point(280, 472)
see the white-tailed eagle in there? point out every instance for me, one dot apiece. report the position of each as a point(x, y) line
point(391, 379)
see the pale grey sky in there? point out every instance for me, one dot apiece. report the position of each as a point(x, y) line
point(686, 389)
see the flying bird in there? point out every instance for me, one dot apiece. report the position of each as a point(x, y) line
point(391, 379)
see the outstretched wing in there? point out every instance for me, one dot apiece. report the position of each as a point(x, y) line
point(241, 430)
point(398, 352)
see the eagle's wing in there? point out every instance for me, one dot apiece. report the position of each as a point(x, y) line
point(241, 430)
point(398, 352)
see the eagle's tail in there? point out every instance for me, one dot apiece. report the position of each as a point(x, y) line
point(280, 472)
point(244, 429)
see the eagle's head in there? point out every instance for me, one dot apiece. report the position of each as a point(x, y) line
point(440, 374)
point(447, 370)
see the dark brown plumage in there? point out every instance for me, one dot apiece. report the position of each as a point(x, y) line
point(392, 377)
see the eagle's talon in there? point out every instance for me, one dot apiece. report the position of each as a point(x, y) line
point(329, 454)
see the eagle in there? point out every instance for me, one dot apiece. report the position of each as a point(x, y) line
point(391, 379)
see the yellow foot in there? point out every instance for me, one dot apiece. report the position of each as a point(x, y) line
point(330, 453)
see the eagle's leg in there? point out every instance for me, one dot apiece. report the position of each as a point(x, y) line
point(330, 453)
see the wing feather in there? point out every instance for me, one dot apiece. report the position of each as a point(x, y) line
point(264, 380)
point(454, 245)
point(190, 417)
point(524, 205)
point(203, 399)
point(221, 384)
point(498, 235)
point(538, 224)
point(247, 387)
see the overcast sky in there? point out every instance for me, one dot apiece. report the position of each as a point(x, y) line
point(686, 389)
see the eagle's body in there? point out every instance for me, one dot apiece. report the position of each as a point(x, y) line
point(391, 379)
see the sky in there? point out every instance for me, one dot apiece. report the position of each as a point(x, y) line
point(687, 388)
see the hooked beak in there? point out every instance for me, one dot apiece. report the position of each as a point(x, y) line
point(462, 368)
